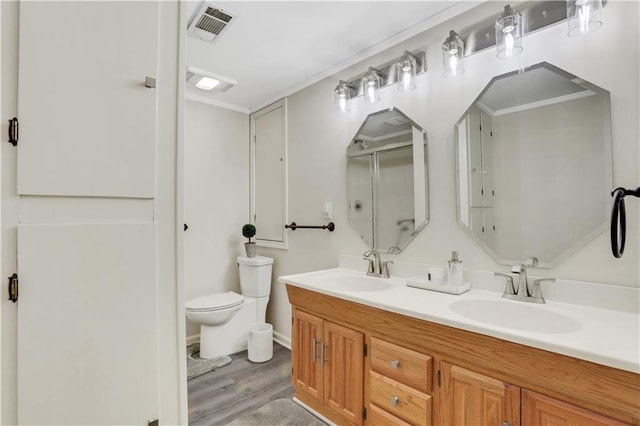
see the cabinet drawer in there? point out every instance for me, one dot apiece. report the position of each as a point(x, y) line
point(400, 400)
point(404, 365)
point(376, 416)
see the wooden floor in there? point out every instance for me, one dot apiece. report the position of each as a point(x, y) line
point(218, 397)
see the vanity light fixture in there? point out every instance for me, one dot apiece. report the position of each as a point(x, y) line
point(402, 71)
point(406, 72)
point(342, 95)
point(583, 16)
point(371, 85)
point(509, 33)
point(452, 55)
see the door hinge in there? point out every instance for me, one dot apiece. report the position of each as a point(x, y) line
point(490, 133)
point(154, 422)
point(483, 229)
point(364, 413)
point(14, 126)
point(439, 377)
point(364, 349)
point(13, 288)
point(292, 371)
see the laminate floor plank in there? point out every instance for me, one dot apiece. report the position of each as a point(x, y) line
point(218, 397)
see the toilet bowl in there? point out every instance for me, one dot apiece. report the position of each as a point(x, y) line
point(225, 318)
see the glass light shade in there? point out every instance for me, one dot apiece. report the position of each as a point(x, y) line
point(342, 96)
point(371, 84)
point(406, 72)
point(509, 33)
point(583, 16)
point(452, 55)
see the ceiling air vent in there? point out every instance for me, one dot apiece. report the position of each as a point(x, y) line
point(209, 22)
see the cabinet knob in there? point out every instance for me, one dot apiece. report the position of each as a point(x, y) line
point(394, 400)
point(395, 364)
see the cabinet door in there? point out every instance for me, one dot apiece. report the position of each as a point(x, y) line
point(545, 411)
point(87, 119)
point(343, 372)
point(305, 354)
point(470, 398)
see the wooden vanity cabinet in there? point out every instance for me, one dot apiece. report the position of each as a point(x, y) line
point(420, 373)
point(542, 410)
point(466, 397)
point(328, 367)
point(399, 383)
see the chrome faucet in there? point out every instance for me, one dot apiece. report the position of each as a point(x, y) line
point(523, 292)
point(377, 267)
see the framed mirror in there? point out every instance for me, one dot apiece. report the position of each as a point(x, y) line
point(387, 183)
point(533, 165)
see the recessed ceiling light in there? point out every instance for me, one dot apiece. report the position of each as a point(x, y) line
point(207, 83)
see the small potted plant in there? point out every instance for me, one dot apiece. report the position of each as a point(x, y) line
point(249, 231)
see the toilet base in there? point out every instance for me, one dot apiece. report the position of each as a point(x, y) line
point(233, 336)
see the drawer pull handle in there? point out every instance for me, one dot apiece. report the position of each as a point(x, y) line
point(394, 400)
point(395, 364)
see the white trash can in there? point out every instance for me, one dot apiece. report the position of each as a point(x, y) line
point(260, 342)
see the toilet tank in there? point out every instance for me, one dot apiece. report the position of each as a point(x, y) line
point(255, 275)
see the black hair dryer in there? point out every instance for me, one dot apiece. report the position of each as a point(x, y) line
point(619, 219)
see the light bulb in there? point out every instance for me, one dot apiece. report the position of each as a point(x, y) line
point(371, 91)
point(508, 44)
point(453, 64)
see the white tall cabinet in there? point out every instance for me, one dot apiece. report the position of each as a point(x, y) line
point(99, 328)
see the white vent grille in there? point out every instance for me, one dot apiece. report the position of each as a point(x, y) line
point(209, 22)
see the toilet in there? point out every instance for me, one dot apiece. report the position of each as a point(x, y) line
point(225, 318)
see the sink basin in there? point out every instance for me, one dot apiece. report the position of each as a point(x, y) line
point(359, 284)
point(515, 315)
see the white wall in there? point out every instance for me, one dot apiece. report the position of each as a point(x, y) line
point(318, 137)
point(216, 199)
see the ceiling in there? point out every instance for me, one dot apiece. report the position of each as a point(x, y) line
point(274, 49)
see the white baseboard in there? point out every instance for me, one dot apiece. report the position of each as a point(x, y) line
point(277, 337)
point(282, 339)
point(193, 339)
point(314, 412)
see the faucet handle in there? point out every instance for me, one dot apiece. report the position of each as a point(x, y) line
point(509, 288)
point(532, 261)
point(536, 292)
point(384, 269)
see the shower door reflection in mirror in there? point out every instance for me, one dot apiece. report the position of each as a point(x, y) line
point(533, 161)
point(387, 181)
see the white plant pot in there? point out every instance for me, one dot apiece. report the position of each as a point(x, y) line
point(250, 248)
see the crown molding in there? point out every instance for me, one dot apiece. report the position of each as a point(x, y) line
point(214, 102)
point(422, 26)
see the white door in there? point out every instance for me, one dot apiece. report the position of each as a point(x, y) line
point(269, 167)
point(88, 306)
point(87, 324)
point(87, 120)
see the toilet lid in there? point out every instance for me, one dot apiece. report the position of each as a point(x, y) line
point(215, 302)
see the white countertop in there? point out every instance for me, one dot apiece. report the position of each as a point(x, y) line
point(603, 336)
